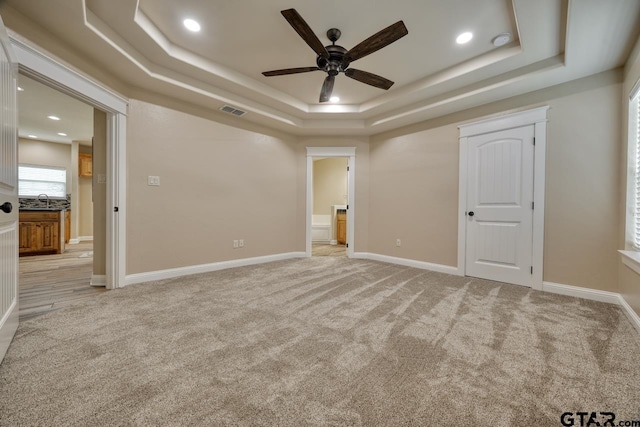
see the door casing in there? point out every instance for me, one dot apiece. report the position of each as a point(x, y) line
point(38, 65)
point(538, 118)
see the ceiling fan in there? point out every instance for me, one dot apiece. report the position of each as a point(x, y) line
point(334, 59)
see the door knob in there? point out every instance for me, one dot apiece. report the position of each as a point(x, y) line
point(6, 207)
point(471, 213)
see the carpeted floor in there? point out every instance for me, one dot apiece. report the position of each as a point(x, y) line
point(322, 341)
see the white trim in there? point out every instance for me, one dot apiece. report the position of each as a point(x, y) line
point(504, 122)
point(350, 153)
point(50, 71)
point(631, 314)
point(8, 327)
point(538, 118)
point(206, 268)
point(408, 262)
point(631, 259)
point(98, 280)
point(82, 239)
point(74, 241)
point(579, 292)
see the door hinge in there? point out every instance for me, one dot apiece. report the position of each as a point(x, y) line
point(532, 269)
point(347, 168)
point(533, 204)
point(115, 209)
point(534, 140)
point(347, 245)
point(347, 207)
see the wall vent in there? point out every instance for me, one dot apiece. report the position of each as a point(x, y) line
point(232, 110)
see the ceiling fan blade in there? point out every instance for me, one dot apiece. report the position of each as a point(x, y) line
point(368, 78)
point(327, 88)
point(304, 30)
point(286, 71)
point(376, 42)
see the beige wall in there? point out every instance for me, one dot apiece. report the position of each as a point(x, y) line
point(99, 193)
point(414, 196)
point(218, 184)
point(329, 184)
point(361, 196)
point(583, 143)
point(629, 281)
point(85, 218)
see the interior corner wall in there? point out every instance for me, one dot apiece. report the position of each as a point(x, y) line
point(85, 188)
point(361, 196)
point(329, 184)
point(414, 183)
point(217, 184)
point(99, 193)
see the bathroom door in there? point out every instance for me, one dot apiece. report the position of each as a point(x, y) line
point(8, 194)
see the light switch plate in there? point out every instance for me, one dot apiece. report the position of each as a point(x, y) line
point(102, 178)
point(153, 180)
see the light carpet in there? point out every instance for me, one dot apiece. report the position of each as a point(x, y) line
point(322, 341)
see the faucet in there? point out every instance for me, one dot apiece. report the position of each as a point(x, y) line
point(46, 197)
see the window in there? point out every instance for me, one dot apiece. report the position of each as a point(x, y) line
point(36, 180)
point(633, 201)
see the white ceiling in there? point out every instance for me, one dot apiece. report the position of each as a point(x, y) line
point(144, 44)
point(36, 102)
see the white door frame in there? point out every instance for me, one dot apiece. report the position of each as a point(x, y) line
point(538, 118)
point(349, 152)
point(35, 63)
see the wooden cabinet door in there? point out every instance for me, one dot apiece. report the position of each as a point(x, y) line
point(85, 165)
point(27, 234)
point(341, 219)
point(67, 226)
point(48, 237)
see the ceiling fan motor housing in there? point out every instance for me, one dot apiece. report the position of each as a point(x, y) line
point(333, 65)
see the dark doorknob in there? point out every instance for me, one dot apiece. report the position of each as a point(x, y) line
point(471, 213)
point(6, 207)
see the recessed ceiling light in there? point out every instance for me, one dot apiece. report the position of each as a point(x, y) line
point(32, 136)
point(54, 118)
point(334, 99)
point(191, 25)
point(464, 38)
point(501, 39)
point(62, 134)
point(20, 89)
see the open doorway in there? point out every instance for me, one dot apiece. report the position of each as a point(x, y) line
point(330, 198)
point(337, 208)
point(56, 216)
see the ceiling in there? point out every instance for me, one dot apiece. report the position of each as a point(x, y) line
point(144, 44)
point(36, 102)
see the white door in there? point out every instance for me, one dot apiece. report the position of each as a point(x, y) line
point(8, 195)
point(499, 207)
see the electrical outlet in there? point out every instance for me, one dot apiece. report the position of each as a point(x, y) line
point(235, 244)
point(241, 243)
point(102, 178)
point(398, 242)
point(153, 180)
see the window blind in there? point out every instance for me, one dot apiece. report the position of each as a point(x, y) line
point(36, 180)
point(634, 117)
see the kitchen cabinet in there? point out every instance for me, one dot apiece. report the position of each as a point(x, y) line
point(341, 226)
point(39, 232)
point(85, 165)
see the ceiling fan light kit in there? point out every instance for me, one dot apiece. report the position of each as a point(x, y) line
point(334, 59)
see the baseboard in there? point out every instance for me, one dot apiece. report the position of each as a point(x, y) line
point(85, 238)
point(74, 241)
point(333, 242)
point(585, 293)
point(206, 268)
point(630, 312)
point(408, 262)
point(321, 241)
point(98, 280)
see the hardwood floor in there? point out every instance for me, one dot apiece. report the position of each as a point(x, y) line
point(321, 249)
point(50, 282)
